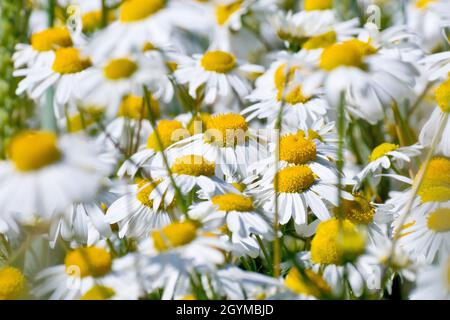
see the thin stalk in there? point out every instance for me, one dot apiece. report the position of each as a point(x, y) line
point(48, 120)
point(104, 14)
point(340, 151)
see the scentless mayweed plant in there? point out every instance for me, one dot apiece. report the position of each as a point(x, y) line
point(224, 149)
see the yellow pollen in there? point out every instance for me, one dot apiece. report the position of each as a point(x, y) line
point(350, 53)
point(311, 5)
point(193, 165)
point(174, 235)
point(295, 179)
point(33, 150)
point(51, 39)
point(295, 149)
point(226, 129)
point(439, 220)
point(233, 202)
point(423, 4)
point(320, 41)
point(145, 187)
point(382, 150)
point(225, 11)
point(69, 60)
point(443, 96)
point(169, 131)
point(12, 284)
point(331, 242)
point(218, 61)
point(118, 69)
point(136, 10)
point(98, 292)
point(132, 107)
point(88, 261)
point(435, 186)
point(358, 210)
point(309, 283)
point(293, 96)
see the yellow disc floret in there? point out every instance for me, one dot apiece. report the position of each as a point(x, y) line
point(51, 39)
point(333, 240)
point(320, 41)
point(292, 96)
point(98, 292)
point(443, 96)
point(145, 187)
point(88, 261)
point(174, 235)
point(283, 77)
point(12, 284)
point(382, 150)
point(193, 165)
point(350, 53)
point(295, 149)
point(439, 220)
point(224, 11)
point(423, 4)
point(307, 283)
point(133, 107)
point(311, 5)
point(435, 186)
point(233, 202)
point(226, 129)
point(121, 68)
point(218, 61)
point(169, 131)
point(137, 10)
point(358, 210)
point(295, 179)
point(33, 150)
point(70, 60)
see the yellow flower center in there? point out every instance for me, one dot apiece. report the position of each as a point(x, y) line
point(174, 235)
point(169, 131)
point(92, 20)
point(295, 149)
point(132, 107)
point(435, 186)
point(350, 53)
point(423, 4)
point(84, 119)
point(33, 150)
point(136, 10)
point(233, 202)
point(443, 96)
point(296, 179)
point(311, 5)
point(193, 165)
point(12, 284)
point(292, 97)
point(226, 129)
point(382, 150)
point(309, 283)
point(439, 220)
point(145, 187)
point(198, 123)
point(358, 210)
point(284, 77)
point(224, 11)
point(69, 60)
point(118, 69)
point(98, 292)
point(320, 41)
point(88, 261)
point(334, 240)
point(51, 39)
point(218, 61)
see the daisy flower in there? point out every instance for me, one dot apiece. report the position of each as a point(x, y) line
point(433, 282)
point(285, 90)
point(219, 72)
point(386, 154)
point(365, 75)
point(48, 173)
point(136, 214)
point(64, 71)
point(239, 215)
point(229, 142)
point(82, 267)
point(13, 284)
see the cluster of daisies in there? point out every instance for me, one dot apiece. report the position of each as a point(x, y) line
point(230, 149)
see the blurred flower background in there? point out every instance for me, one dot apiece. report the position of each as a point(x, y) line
point(224, 149)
